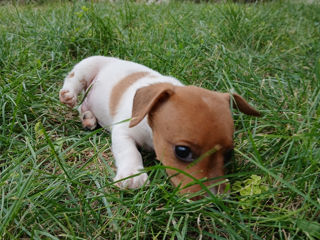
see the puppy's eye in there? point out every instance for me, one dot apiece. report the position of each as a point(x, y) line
point(183, 153)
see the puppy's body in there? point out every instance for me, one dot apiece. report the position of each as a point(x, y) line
point(101, 75)
point(157, 105)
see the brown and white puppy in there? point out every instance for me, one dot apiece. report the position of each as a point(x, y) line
point(190, 128)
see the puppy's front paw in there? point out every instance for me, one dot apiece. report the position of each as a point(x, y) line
point(131, 182)
point(67, 97)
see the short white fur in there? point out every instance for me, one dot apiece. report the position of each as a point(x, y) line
point(102, 74)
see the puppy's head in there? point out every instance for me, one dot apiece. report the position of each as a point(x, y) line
point(192, 130)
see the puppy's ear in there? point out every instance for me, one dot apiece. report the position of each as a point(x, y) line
point(242, 105)
point(146, 98)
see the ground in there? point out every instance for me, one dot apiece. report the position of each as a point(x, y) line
point(56, 178)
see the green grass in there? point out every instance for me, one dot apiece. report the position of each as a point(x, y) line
point(56, 179)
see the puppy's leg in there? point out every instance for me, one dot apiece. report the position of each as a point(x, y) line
point(80, 78)
point(128, 160)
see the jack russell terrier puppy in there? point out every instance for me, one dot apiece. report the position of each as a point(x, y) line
point(190, 128)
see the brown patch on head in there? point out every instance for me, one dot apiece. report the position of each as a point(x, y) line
point(71, 75)
point(191, 117)
point(200, 120)
point(121, 87)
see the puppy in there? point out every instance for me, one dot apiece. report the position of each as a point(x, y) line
point(190, 128)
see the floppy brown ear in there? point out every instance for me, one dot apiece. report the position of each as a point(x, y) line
point(146, 98)
point(242, 105)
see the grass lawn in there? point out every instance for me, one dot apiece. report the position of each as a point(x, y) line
point(56, 179)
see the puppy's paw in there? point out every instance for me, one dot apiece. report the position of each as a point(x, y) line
point(68, 97)
point(131, 182)
point(89, 121)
